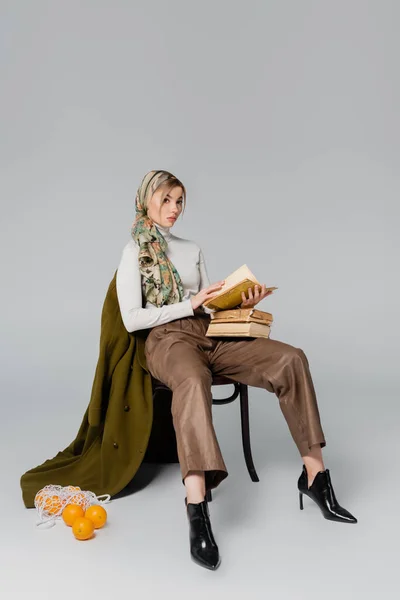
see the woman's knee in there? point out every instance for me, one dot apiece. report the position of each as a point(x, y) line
point(300, 352)
point(293, 353)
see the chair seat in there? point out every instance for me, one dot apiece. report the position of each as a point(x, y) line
point(216, 380)
point(222, 380)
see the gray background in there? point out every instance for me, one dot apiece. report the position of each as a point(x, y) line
point(282, 119)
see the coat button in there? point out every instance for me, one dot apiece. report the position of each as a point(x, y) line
point(115, 445)
point(127, 408)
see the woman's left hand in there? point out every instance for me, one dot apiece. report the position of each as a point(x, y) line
point(252, 300)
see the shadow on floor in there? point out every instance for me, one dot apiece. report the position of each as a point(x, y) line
point(144, 475)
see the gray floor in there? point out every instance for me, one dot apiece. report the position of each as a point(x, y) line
point(269, 548)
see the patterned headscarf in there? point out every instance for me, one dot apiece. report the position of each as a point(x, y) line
point(161, 281)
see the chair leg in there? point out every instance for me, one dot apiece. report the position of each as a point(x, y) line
point(244, 413)
point(208, 496)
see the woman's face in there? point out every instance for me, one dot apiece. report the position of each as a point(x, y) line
point(165, 213)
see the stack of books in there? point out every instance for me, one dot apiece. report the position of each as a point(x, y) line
point(240, 322)
point(229, 320)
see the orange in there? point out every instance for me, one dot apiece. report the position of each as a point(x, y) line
point(78, 498)
point(97, 514)
point(82, 528)
point(38, 498)
point(52, 505)
point(72, 512)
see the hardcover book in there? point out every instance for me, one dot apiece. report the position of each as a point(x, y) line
point(238, 330)
point(241, 315)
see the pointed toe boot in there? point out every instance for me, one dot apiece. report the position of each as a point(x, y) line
point(321, 491)
point(203, 548)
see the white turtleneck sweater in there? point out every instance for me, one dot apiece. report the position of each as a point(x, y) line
point(187, 258)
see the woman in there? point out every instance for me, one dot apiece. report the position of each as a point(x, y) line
point(162, 284)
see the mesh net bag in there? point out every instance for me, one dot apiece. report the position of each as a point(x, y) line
point(51, 500)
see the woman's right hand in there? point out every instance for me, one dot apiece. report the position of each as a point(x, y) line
point(206, 294)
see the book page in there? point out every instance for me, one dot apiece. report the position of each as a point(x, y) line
point(239, 275)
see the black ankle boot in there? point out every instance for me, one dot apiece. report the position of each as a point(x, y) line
point(321, 491)
point(203, 548)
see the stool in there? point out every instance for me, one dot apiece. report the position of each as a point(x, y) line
point(240, 389)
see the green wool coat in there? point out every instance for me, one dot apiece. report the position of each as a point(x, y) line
point(120, 426)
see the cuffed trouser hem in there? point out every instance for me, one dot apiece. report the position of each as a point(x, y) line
point(213, 477)
point(304, 447)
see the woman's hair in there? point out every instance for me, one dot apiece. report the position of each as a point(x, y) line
point(161, 281)
point(165, 180)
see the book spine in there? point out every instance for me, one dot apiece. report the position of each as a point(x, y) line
point(243, 314)
point(239, 320)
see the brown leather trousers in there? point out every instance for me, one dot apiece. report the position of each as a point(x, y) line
point(181, 356)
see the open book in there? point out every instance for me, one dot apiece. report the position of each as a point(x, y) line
point(230, 295)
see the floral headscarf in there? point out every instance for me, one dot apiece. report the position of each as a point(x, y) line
point(161, 281)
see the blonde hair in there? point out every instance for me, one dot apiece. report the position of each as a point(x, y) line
point(165, 180)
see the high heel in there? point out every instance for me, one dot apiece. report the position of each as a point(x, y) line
point(203, 548)
point(321, 491)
